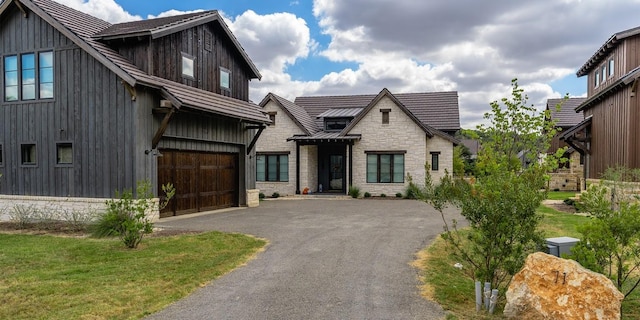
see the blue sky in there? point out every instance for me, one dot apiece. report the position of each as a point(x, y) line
point(318, 47)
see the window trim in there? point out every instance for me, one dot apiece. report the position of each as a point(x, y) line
point(393, 154)
point(279, 154)
point(22, 154)
point(60, 144)
point(435, 155)
point(183, 56)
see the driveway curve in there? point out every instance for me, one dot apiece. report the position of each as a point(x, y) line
point(327, 259)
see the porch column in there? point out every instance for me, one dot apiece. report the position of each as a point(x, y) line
point(297, 167)
point(350, 165)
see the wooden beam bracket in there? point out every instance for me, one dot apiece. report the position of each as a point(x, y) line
point(132, 90)
point(25, 13)
point(255, 139)
point(163, 127)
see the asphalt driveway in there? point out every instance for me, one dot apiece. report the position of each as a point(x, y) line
point(327, 259)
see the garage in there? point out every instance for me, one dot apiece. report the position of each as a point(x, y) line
point(203, 181)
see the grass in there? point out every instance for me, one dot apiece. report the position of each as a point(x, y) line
point(453, 289)
point(49, 277)
point(560, 195)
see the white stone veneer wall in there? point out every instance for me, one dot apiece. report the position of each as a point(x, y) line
point(57, 207)
point(445, 147)
point(274, 139)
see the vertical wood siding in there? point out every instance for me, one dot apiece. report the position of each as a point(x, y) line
point(91, 109)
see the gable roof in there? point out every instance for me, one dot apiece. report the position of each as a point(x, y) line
point(159, 27)
point(429, 130)
point(436, 109)
point(80, 27)
point(567, 115)
point(298, 114)
point(605, 49)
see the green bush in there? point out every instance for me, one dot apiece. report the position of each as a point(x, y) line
point(354, 192)
point(275, 195)
point(382, 195)
point(126, 217)
point(398, 195)
point(367, 195)
point(261, 196)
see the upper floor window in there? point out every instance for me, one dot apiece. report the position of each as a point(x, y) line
point(26, 78)
point(225, 79)
point(611, 67)
point(385, 115)
point(272, 117)
point(604, 72)
point(336, 124)
point(596, 81)
point(188, 64)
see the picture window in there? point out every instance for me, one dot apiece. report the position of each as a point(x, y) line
point(28, 78)
point(385, 167)
point(272, 167)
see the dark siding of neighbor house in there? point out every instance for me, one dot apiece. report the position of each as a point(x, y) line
point(208, 45)
point(91, 109)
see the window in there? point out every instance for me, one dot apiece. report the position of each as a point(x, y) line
point(335, 124)
point(385, 115)
point(187, 65)
point(11, 78)
point(28, 153)
point(64, 153)
point(272, 117)
point(604, 72)
point(385, 167)
point(611, 67)
point(46, 75)
point(1, 159)
point(24, 79)
point(225, 79)
point(596, 78)
point(272, 167)
point(435, 161)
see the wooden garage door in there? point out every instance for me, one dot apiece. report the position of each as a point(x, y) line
point(203, 181)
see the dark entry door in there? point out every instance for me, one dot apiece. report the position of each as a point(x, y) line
point(331, 167)
point(203, 181)
point(336, 172)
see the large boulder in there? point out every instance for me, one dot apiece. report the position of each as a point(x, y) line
point(549, 287)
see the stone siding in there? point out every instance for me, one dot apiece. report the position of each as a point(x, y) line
point(274, 139)
point(59, 208)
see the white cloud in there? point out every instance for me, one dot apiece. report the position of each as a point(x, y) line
point(172, 12)
point(107, 10)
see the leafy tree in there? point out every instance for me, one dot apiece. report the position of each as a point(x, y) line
point(500, 205)
point(459, 160)
point(610, 240)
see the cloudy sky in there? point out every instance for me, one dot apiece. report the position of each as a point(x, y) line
point(320, 47)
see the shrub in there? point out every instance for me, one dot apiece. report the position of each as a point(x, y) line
point(261, 196)
point(23, 215)
point(414, 191)
point(275, 195)
point(382, 195)
point(367, 195)
point(398, 195)
point(354, 192)
point(126, 217)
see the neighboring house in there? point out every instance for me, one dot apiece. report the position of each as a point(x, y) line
point(88, 107)
point(473, 145)
point(565, 119)
point(328, 143)
point(609, 135)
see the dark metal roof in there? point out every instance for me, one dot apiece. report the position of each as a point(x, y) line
point(605, 49)
point(437, 109)
point(325, 137)
point(584, 123)
point(149, 25)
point(295, 112)
point(567, 115)
point(81, 27)
point(340, 113)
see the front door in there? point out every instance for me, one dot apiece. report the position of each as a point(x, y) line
point(336, 172)
point(331, 168)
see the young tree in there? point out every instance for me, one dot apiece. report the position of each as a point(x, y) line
point(610, 241)
point(500, 205)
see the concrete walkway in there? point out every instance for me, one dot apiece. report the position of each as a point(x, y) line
point(327, 259)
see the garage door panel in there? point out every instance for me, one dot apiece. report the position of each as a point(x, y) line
point(203, 181)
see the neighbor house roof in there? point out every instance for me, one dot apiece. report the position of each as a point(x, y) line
point(567, 115)
point(436, 109)
point(80, 28)
point(605, 49)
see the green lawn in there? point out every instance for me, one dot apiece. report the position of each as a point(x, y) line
point(48, 277)
point(454, 289)
point(560, 195)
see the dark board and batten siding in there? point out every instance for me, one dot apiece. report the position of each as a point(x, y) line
point(97, 119)
point(211, 50)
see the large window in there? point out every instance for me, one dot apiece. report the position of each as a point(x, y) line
point(26, 78)
point(385, 167)
point(272, 167)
